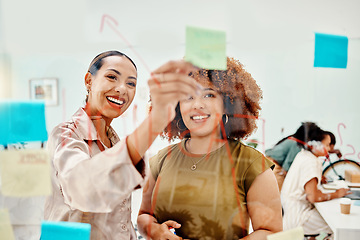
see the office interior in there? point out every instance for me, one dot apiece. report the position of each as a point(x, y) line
point(273, 39)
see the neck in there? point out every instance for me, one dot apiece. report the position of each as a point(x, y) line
point(204, 145)
point(93, 114)
point(101, 125)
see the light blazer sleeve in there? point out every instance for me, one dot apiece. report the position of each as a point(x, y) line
point(91, 180)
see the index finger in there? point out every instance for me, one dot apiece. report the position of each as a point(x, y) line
point(176, 66)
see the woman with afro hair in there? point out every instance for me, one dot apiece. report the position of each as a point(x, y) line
point(210, 184)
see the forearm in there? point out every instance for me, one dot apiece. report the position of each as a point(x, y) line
point(141, 139)
point(321, 197)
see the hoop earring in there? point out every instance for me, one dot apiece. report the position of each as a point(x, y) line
point(226, 119)
point(177, 125)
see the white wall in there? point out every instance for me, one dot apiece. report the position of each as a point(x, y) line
point(273, 39)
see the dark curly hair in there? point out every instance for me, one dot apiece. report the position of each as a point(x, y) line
point(241, 97)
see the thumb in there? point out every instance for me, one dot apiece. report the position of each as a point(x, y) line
point(171, 223)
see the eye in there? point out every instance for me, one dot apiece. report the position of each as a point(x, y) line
point(111, 77)
point(209, 95)
point(131, 84)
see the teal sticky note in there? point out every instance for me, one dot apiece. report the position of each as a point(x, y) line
point(22, 122)
point(330, 51)
point(356, 202)
point(65, 231)
point(206, 48)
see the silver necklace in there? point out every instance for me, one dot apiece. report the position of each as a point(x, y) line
point(193, 167)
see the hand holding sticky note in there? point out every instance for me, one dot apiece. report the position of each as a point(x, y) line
point(206, 48)
point(65, 231)
point(25, 173)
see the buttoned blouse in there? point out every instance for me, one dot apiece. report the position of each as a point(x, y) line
point(90, 185)
point(297, 209)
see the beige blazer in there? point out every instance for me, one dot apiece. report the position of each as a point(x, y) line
point(90, 185)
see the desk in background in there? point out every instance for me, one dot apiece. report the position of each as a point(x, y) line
point(344, 226)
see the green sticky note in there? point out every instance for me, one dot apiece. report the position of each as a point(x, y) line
point(293, 234)
point(206, 48)
point(322, 236)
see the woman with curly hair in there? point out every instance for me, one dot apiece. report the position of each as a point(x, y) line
point(210, 184)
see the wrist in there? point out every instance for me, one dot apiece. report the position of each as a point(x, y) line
point(337, 194)
point(328, 197)
point(159, 119)
point(154, 229)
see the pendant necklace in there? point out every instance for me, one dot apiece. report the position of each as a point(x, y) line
point(193, 167)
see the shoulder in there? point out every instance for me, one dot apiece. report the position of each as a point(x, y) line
point(64, 131)
point(287, 145)
point(156, 162)
point(305, 159)
point(246, 157)
point(163, 153)
point(248, 164)
point(167, 150)
point(306, 155)
point(244, 152)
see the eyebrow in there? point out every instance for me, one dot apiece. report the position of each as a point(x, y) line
point(208, 89)
point(119, 73)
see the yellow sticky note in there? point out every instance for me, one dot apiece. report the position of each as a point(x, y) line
point(206, 48)
point(25, 173)
point(6, 231)
point(293, 234)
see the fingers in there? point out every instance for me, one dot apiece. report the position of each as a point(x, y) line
point(348, 191)
point(180, 85)
point(173, 77)
point(176, 66)
point(166, 233)
point(181, 91)
point(171, 223)
point(344, 191)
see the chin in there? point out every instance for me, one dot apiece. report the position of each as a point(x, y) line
point(112, 114)
point(201, 133)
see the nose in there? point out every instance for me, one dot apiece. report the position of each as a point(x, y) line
point(121, 88)
point(198, 103)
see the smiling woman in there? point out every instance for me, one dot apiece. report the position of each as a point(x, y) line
point(93, 171)
point(210, 184)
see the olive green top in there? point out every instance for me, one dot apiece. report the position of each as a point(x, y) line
point(210, 201)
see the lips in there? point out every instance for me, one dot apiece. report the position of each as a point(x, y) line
point(115, 101)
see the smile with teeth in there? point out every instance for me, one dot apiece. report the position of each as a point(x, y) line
point(200, 117)
point(114, 100)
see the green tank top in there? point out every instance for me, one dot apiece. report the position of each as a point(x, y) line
point(210, 201)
